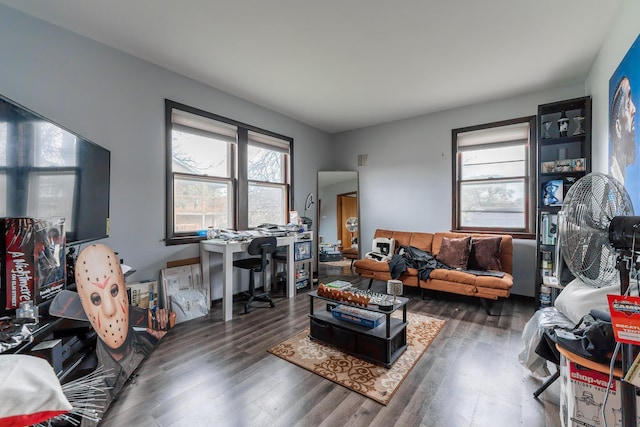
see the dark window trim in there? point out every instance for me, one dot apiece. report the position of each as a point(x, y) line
point(241, 203)
point(530, 180)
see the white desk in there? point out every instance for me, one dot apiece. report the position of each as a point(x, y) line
point(227, 249)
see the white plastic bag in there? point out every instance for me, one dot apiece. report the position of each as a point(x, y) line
point(532, 334)
point(189, 304)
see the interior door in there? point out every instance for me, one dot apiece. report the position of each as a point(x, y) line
point(347, 207)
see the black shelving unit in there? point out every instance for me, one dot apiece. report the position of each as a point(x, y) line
point(563, 157)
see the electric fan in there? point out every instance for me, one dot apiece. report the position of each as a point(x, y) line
point(352, 226)
point(588, 210)
point(597, 234)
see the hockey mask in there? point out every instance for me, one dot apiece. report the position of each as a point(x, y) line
point(102, 291)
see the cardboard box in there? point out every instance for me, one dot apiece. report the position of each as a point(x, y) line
point(32, 260)
point(582, 393)
point(183, 292)
point(143, 294)
point(367, 318)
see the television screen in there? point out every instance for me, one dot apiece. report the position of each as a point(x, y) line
point(48, 172)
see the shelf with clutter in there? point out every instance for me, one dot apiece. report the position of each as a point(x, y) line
point(563, 157)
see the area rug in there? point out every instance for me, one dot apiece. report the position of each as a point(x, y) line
point(371, 380)
point(341, 263)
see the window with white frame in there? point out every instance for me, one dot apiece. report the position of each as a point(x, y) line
point(222, 174)
point(494, 177)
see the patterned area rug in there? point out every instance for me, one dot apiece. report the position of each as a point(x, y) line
point(374, 381)
point(341, 263)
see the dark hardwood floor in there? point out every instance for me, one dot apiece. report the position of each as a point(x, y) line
point(210, 373)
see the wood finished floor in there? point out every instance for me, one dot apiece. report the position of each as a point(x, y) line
point(210, 373)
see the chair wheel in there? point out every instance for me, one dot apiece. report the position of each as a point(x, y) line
point(272, 304)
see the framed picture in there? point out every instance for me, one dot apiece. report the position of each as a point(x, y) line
point(553, 192)
point(302, 251)
point(624, 145)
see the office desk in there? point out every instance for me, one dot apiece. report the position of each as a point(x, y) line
point(227, 249)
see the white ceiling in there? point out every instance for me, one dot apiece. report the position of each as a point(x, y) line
point(344, 64)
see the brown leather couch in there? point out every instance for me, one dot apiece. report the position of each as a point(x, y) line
point(454, 281)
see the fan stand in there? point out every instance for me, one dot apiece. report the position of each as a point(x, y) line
point(628, 390)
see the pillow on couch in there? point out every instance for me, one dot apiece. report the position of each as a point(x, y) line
point(485, 254)
point(455, 252)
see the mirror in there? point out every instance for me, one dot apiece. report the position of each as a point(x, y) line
point(337, 201)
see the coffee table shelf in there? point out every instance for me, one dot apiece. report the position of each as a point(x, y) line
point(382, 344)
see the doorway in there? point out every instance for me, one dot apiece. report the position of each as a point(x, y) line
point(347, 207)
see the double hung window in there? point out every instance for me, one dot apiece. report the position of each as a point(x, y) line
point(267, 173)
point(493, 177)
point(222, 174)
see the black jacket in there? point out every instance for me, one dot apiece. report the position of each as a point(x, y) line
point(412, 257)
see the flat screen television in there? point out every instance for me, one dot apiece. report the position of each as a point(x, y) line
point(47, 171)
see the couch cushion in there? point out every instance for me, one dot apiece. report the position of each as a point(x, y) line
point(439, 236)
point(403, 238)
point(421, 241)
point(453, 276)
point(485, 254)
point(464, 278)
point(370, 264)
point(455, 252)
point(505, 282)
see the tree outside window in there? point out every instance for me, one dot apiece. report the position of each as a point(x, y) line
point(207, 187)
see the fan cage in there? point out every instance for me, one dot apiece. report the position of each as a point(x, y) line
point(589, 207)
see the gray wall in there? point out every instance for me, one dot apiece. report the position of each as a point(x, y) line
point(117, 101)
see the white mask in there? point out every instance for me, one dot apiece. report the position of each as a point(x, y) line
point(103, 293)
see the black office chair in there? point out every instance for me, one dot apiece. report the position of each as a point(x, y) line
point(262, 246)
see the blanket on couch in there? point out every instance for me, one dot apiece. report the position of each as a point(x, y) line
point(425, 262)
point(412, 257)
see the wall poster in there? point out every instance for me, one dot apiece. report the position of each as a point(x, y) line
point(624, 143)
